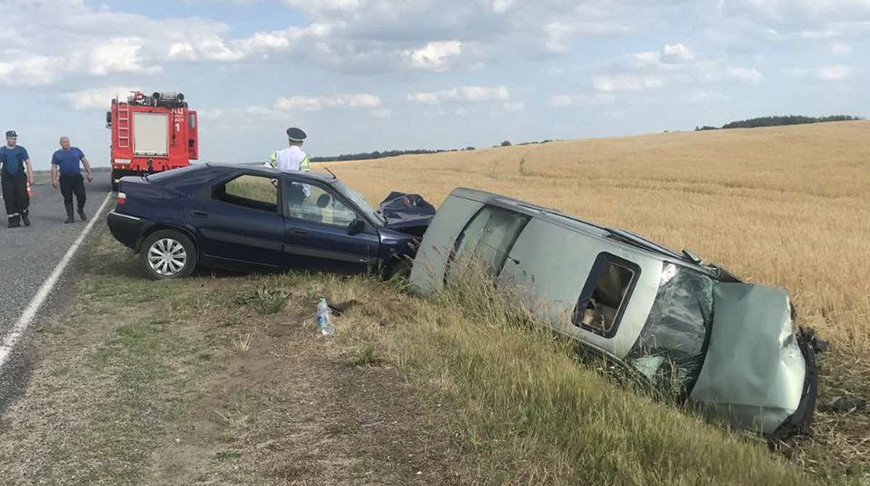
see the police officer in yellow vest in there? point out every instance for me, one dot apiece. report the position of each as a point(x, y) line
point(292, 157)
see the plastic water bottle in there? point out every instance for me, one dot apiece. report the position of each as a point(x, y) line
point(324, 326)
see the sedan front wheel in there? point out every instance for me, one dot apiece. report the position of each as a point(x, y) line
point(168, 254)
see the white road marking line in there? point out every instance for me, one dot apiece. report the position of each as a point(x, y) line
point(29, 313)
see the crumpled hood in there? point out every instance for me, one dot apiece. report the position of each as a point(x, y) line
point(753, 374)
point(403, 211)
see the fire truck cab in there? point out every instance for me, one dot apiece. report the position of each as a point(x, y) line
point(151, 134)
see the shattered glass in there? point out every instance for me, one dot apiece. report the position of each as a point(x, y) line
point(671, 347)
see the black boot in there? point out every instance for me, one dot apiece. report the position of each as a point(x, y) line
point(82, 214)
point(25, 218)
point(69, 215)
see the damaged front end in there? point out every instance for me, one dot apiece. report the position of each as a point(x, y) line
point(758, 374)
point(731, 349)
point(407, 213)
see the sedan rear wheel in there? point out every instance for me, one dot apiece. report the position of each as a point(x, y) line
point(168, 254)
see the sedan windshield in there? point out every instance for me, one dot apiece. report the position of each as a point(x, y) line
point(359, 200)
point(671, 348)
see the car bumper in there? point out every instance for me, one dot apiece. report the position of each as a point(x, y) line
point(801, 421)
point(127, 229)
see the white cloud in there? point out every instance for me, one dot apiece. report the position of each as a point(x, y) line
point(435, 56)
point(677, 53)
point(120, 55)
point(462, 94)
point(32, 71)
point(649, 58)
point(841, 49)
point(182, 51)
point(835, 72)
point(748, 75)
point(374, 36)
point(626, 82)
point(568, 100)
point(670, 54)
point(501, 6)
point(704, 96)
point(514, 106)
point(558, 34)
point(317, 103)
point(746, 21)
point(96, 98)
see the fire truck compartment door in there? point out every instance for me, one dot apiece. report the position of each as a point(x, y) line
point(150, 134)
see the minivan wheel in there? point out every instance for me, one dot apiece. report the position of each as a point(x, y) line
point(168, 254)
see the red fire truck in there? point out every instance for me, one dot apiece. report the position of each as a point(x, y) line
point(151, 134)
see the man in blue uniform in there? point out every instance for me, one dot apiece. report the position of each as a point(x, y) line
point(66, 161)
point(13, 162)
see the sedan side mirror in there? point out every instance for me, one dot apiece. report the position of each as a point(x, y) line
point(356, 226)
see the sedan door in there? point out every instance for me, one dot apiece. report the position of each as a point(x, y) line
point(240, 221)
point(319, 233)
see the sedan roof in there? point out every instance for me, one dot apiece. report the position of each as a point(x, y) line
point(270, 172)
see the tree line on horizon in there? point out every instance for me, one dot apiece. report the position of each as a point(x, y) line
point(377, 154)
point(773, 121)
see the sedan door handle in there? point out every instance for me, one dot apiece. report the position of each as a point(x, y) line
point(298, 232)
point(199, 214)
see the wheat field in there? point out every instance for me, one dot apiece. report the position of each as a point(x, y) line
point(783, 206)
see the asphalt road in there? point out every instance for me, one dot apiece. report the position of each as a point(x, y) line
point(28, 255)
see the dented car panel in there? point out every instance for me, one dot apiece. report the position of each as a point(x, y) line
point(728, 347)
point(754, 372)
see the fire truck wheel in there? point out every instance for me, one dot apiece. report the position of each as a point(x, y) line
point(168, 254)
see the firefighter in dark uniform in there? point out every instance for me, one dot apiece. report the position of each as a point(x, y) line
point(13, 163)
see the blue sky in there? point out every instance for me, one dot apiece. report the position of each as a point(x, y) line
point(362, 75)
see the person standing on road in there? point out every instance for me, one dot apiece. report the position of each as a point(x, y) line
point(14, 160)
point(66, 161)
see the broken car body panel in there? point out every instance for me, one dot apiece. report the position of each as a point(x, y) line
point(754, 372)
point(630, 298)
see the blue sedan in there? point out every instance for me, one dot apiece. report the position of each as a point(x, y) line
point(239, 217)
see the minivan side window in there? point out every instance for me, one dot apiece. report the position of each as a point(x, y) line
point(250, 191)
point(605, 294)
point(487, 239)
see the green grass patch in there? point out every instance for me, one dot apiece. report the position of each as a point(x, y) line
point(368, 355)
point(264, 300)
point(227, 455)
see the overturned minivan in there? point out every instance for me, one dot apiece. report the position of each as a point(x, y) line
point(732, 348)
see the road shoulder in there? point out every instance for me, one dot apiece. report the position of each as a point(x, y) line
point(141, 382)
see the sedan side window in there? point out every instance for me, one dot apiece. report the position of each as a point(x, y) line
point(313, 203)
point(250, 191)
point(605, 294)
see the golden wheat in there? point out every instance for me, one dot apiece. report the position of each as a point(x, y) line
point(785, 206)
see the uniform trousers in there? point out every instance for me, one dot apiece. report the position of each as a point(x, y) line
point(15, 195)
point(73, 184)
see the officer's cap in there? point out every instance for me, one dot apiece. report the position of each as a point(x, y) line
point(296, 134)
point(11, 133)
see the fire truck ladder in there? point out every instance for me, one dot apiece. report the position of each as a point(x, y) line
point(123, 125)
